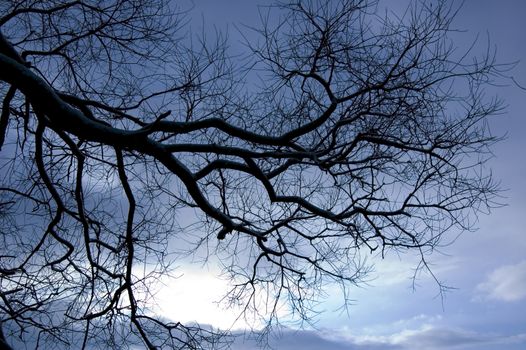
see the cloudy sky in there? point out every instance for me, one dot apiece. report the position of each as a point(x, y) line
point(486, 310)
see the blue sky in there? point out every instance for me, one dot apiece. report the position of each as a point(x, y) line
point(486, 310)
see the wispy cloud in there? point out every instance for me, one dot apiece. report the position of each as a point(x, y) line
point(506, 283)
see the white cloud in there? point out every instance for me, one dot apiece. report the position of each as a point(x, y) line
point(399, 325)
point(194, 297)
point(438, 338)
point(198, 296)
point(506, 283)
point(430, 337)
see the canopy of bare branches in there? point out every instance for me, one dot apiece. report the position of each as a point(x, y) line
point(346, 132)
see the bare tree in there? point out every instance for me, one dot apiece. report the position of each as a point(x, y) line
point(365, 133)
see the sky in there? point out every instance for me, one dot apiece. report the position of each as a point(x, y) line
point(485, 309)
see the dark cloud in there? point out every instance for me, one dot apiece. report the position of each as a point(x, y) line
point(428, 338)
point(425, 338)
point(306, 340)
